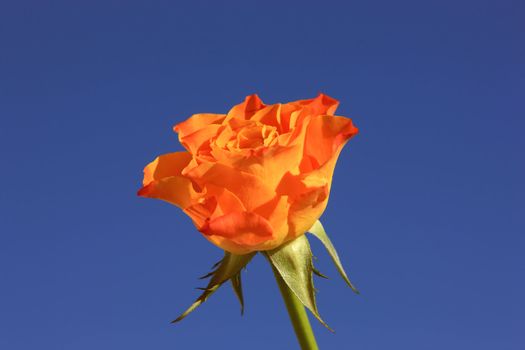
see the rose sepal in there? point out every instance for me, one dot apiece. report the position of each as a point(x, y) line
point(229, 268)
point(236, 282)
point(293, 262)
point(318, 231)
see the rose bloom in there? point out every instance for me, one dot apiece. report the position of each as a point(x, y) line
point(257, 177)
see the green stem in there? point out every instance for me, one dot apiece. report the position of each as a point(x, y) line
point(298, 316)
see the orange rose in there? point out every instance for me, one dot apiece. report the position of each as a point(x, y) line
point(256, 177)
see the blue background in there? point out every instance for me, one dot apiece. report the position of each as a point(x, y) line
point(427, 209)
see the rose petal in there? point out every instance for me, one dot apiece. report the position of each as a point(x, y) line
point(201, 210)
point(324, 137)
point(309, 191)
point(243, 228)
point(251, 190)
point(276, 212)
point(192, 142)
point(306, 210)
point(270, 115)
point(197, 122)
point(247, 109)
point(321, 105)
point(227, 201)
point(170, 164)
point(163, 180)
point(270, 164)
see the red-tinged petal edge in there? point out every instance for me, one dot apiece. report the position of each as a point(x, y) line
point(245, 228)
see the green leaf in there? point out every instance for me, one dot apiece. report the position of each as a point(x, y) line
point(227, 268)
point(318, 231)
point(237, 288)
point(293, 261)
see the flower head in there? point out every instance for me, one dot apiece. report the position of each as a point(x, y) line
point(257, 177)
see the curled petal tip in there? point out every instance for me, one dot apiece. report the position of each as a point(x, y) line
point(144, 191)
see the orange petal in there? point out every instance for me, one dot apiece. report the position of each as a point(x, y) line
point(325, 135)
point(251, 190)
point(201, 210)
point(166, 165)
point(306, 210)
point(197, 122)
point(216, 202)
point(270, 115)
point(308, 197)
point(272, 165)
point(295, 186)
point(163, 180)
point(245, 229)
point(227, 201)
point(247, 109)
point(276, 212)
point(192, 142)
point(309, 191)
point(269, 165)
point(322, 104)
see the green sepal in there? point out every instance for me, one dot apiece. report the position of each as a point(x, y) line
point(226, 269)
point(319, 273)
point(293, 262)
point(236, 282)
point(318, 231)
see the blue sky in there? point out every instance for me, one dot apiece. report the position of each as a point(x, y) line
point(426, 210)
